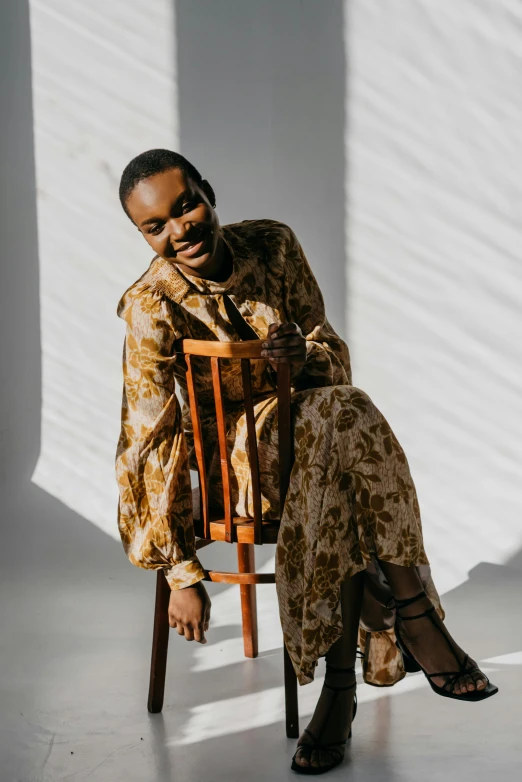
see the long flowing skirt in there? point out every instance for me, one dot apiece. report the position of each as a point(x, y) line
point(351, 502)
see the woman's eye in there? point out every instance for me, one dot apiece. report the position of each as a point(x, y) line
point(188, 206)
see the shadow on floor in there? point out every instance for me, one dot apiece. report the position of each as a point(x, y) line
point(75, 675)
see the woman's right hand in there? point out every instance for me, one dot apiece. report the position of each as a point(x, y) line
point(189, 612)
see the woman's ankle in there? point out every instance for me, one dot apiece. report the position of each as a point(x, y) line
point(414, 606)
point(404, 581)
point(336, 676)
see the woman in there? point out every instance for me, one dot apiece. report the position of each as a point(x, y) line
point(350, 561)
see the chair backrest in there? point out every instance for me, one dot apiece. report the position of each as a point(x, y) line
point(246, 351)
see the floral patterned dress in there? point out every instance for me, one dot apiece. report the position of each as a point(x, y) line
point(351, 500)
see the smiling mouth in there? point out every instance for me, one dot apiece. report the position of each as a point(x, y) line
point(188, 250)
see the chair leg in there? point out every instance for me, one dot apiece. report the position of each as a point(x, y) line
point(291, 702)
point(247, 564)
point(160, 642)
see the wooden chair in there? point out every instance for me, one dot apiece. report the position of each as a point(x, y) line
point(244, 531)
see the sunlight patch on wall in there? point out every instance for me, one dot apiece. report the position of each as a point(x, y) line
point(434, 184)
point(104, 90)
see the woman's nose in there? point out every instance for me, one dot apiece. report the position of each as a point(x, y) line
point(177, 230)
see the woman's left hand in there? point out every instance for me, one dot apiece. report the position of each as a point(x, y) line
point(285, 343)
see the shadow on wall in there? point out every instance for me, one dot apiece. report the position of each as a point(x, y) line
point(261, 105)
point(40, 535)
point(20, 390)
point(30, 519)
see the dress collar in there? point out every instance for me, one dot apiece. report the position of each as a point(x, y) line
point(165, 277)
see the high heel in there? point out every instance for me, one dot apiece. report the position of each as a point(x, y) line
point(330, 747)
point(411, 665)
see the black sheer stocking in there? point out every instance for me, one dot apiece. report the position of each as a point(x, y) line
point(428, 638)
point(331, 720)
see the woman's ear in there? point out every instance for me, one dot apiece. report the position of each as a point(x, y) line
point(209, 192)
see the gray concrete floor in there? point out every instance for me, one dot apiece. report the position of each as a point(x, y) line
point(75, 645)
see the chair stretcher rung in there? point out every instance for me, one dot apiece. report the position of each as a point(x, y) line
point(240, 578)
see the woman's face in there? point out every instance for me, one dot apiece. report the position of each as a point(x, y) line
point(175, 216)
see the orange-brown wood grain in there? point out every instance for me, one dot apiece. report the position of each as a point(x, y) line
point(223, 452)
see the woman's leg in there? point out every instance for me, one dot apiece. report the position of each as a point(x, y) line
point(425, 640)
point(342, 654)
point(352, 498)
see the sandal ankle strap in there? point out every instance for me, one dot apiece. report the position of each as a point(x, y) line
point(334, 669)
point(427, 612)
point(404, 603)
point(410, 600)
point(339, 689)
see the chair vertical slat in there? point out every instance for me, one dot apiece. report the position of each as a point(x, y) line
point(198, 447)
point(284, 428)
point(223, 453)
point(253, 457)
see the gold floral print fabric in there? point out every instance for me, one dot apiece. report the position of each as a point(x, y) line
point(351, 499)
point(155, 504)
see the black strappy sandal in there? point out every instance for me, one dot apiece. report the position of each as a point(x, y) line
point(337, 753)
point(411, 665)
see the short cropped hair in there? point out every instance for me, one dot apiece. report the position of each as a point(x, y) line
point(155, 161)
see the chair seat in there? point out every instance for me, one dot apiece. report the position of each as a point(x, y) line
point(244, 526)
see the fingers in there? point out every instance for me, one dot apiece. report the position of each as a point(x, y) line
point(290, 341)
point(189, 613)
point(277, 330)
point(289, 352)
point(199, 634)
point(282, 328)
point(191, 634)
point(285, 343)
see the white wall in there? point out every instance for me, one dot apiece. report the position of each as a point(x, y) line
point(104, 90)
point(434, 191)
point(229, 85)
point(404, 134)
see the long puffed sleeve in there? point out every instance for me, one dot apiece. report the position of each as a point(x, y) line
point(155, 504)
point(328, 358)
